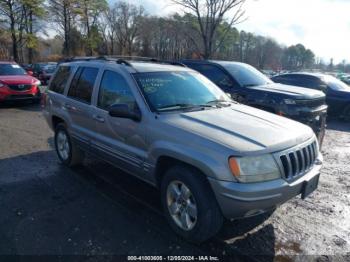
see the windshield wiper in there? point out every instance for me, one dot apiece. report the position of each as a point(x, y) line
point(250, 85)
point(180, 106)
point(219, 101)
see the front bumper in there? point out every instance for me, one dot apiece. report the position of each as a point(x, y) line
point(10, 95)
point(239, 200)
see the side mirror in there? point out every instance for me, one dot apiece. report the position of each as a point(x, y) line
point(324, 88)
point(123, 111)
point(30, 73)
point(229, 95)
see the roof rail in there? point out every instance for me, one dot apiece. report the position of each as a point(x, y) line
point(123, 60)
point(96, 58)
point(148, 59)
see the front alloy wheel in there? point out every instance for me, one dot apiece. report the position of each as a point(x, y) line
point(181, 205)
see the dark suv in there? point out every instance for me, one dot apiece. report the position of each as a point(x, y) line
point(249, 86)
point(337, 92)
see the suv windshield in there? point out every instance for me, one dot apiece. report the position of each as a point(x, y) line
point(175, 90)
point(336, 84)
point(11, 69)
point(246, 75)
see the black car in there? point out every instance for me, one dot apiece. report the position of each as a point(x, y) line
point(39, 67)
point(337, 92)
point(249, 86)
point(46, 73)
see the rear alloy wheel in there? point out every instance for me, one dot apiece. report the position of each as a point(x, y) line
point(68, 153)
point(63, 147)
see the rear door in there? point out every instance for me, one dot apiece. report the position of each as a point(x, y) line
point(78, 105)
point(121, 141)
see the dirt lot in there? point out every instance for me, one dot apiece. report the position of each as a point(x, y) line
point(96, 209)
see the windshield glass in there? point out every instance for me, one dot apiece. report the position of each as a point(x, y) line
point(174, 90)
point(11, 69)
point(336, 84)
point(246, 75)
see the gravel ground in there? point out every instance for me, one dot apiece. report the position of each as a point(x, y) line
point(95, 209)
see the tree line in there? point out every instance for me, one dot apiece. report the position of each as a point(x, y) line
point(206, 29)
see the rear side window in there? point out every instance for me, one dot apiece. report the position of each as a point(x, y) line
point(215, 74)
point(114, 90)
point(60, 79)
point(83, 83)
point(300, 80)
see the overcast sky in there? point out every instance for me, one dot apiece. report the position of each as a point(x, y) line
point(321, 25)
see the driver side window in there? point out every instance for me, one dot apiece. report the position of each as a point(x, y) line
point(114, 90)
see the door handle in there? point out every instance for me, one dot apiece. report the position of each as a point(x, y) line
point(98, 118)
point(68, 106)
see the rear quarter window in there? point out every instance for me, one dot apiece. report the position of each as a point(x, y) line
point(60, 79)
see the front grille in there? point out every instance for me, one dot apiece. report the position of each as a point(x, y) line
point(311, 102)
point(14, 97)
point(20, 87)
point(298, 161)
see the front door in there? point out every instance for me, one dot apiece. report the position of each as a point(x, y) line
point(120, 140)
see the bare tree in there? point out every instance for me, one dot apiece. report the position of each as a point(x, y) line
point(210, 14)
point(108, 26)
point(63, 14)
point(89, 12)
point(11, 10)
point(129, 18)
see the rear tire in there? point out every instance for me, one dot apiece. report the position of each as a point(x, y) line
point(68, 153)
point(203, 219)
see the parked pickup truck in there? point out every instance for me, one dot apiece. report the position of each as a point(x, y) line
point(249, 86)
point(170, 126)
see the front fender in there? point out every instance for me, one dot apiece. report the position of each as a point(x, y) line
point(212, 165)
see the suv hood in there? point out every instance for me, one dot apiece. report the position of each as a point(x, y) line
point(294, 91)
point(18, 80)
point(242, 128)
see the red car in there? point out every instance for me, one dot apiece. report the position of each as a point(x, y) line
point(17, 84)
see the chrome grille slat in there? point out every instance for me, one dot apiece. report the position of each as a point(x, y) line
point(294, 162)
point(311, 155)
point(313, 149)
point(302, 160)
point(289, 166)
point(307, 158)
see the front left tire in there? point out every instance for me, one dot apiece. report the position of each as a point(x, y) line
point(189, 204)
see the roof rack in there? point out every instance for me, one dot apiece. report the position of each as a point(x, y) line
point(122, 60)
point(148, 59)
point(96, 58)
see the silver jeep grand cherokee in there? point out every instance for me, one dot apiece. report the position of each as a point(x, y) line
point(211, 157)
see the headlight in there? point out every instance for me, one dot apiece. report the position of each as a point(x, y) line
point(254, 169)
point(37, 83)
point(289, 101)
